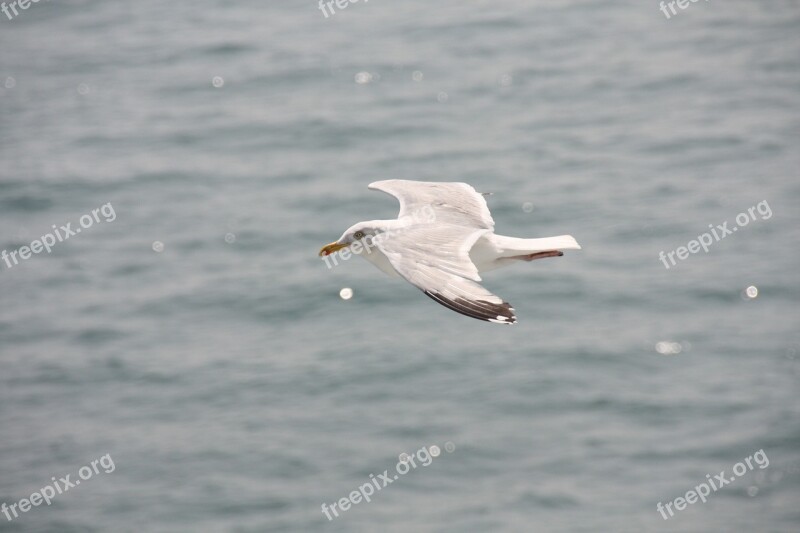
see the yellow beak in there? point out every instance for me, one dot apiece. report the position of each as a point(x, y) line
point(333, 247)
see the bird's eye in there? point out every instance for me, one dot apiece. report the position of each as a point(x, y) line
point(358, 235)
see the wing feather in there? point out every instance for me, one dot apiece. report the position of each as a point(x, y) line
point(455, 203)
point(432, 252)
point(435, 259)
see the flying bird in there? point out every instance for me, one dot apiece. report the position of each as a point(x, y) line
point(441, 241)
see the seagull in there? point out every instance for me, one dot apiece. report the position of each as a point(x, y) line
point(441, 241)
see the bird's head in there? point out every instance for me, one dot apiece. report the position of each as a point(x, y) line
point(363, 231)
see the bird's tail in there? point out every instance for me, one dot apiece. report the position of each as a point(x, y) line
point(511, 246)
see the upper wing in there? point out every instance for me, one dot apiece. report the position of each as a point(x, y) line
point(453, 203)
point(435, 258)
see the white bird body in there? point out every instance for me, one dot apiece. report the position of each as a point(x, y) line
point(489, 252)
point(440, 242)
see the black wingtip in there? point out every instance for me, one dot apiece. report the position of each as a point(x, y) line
point(501, 313)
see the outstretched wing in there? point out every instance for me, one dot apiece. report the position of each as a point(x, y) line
point(451, 203)
point(435, 258)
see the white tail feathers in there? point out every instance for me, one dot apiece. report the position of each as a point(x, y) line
point(513, 246)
